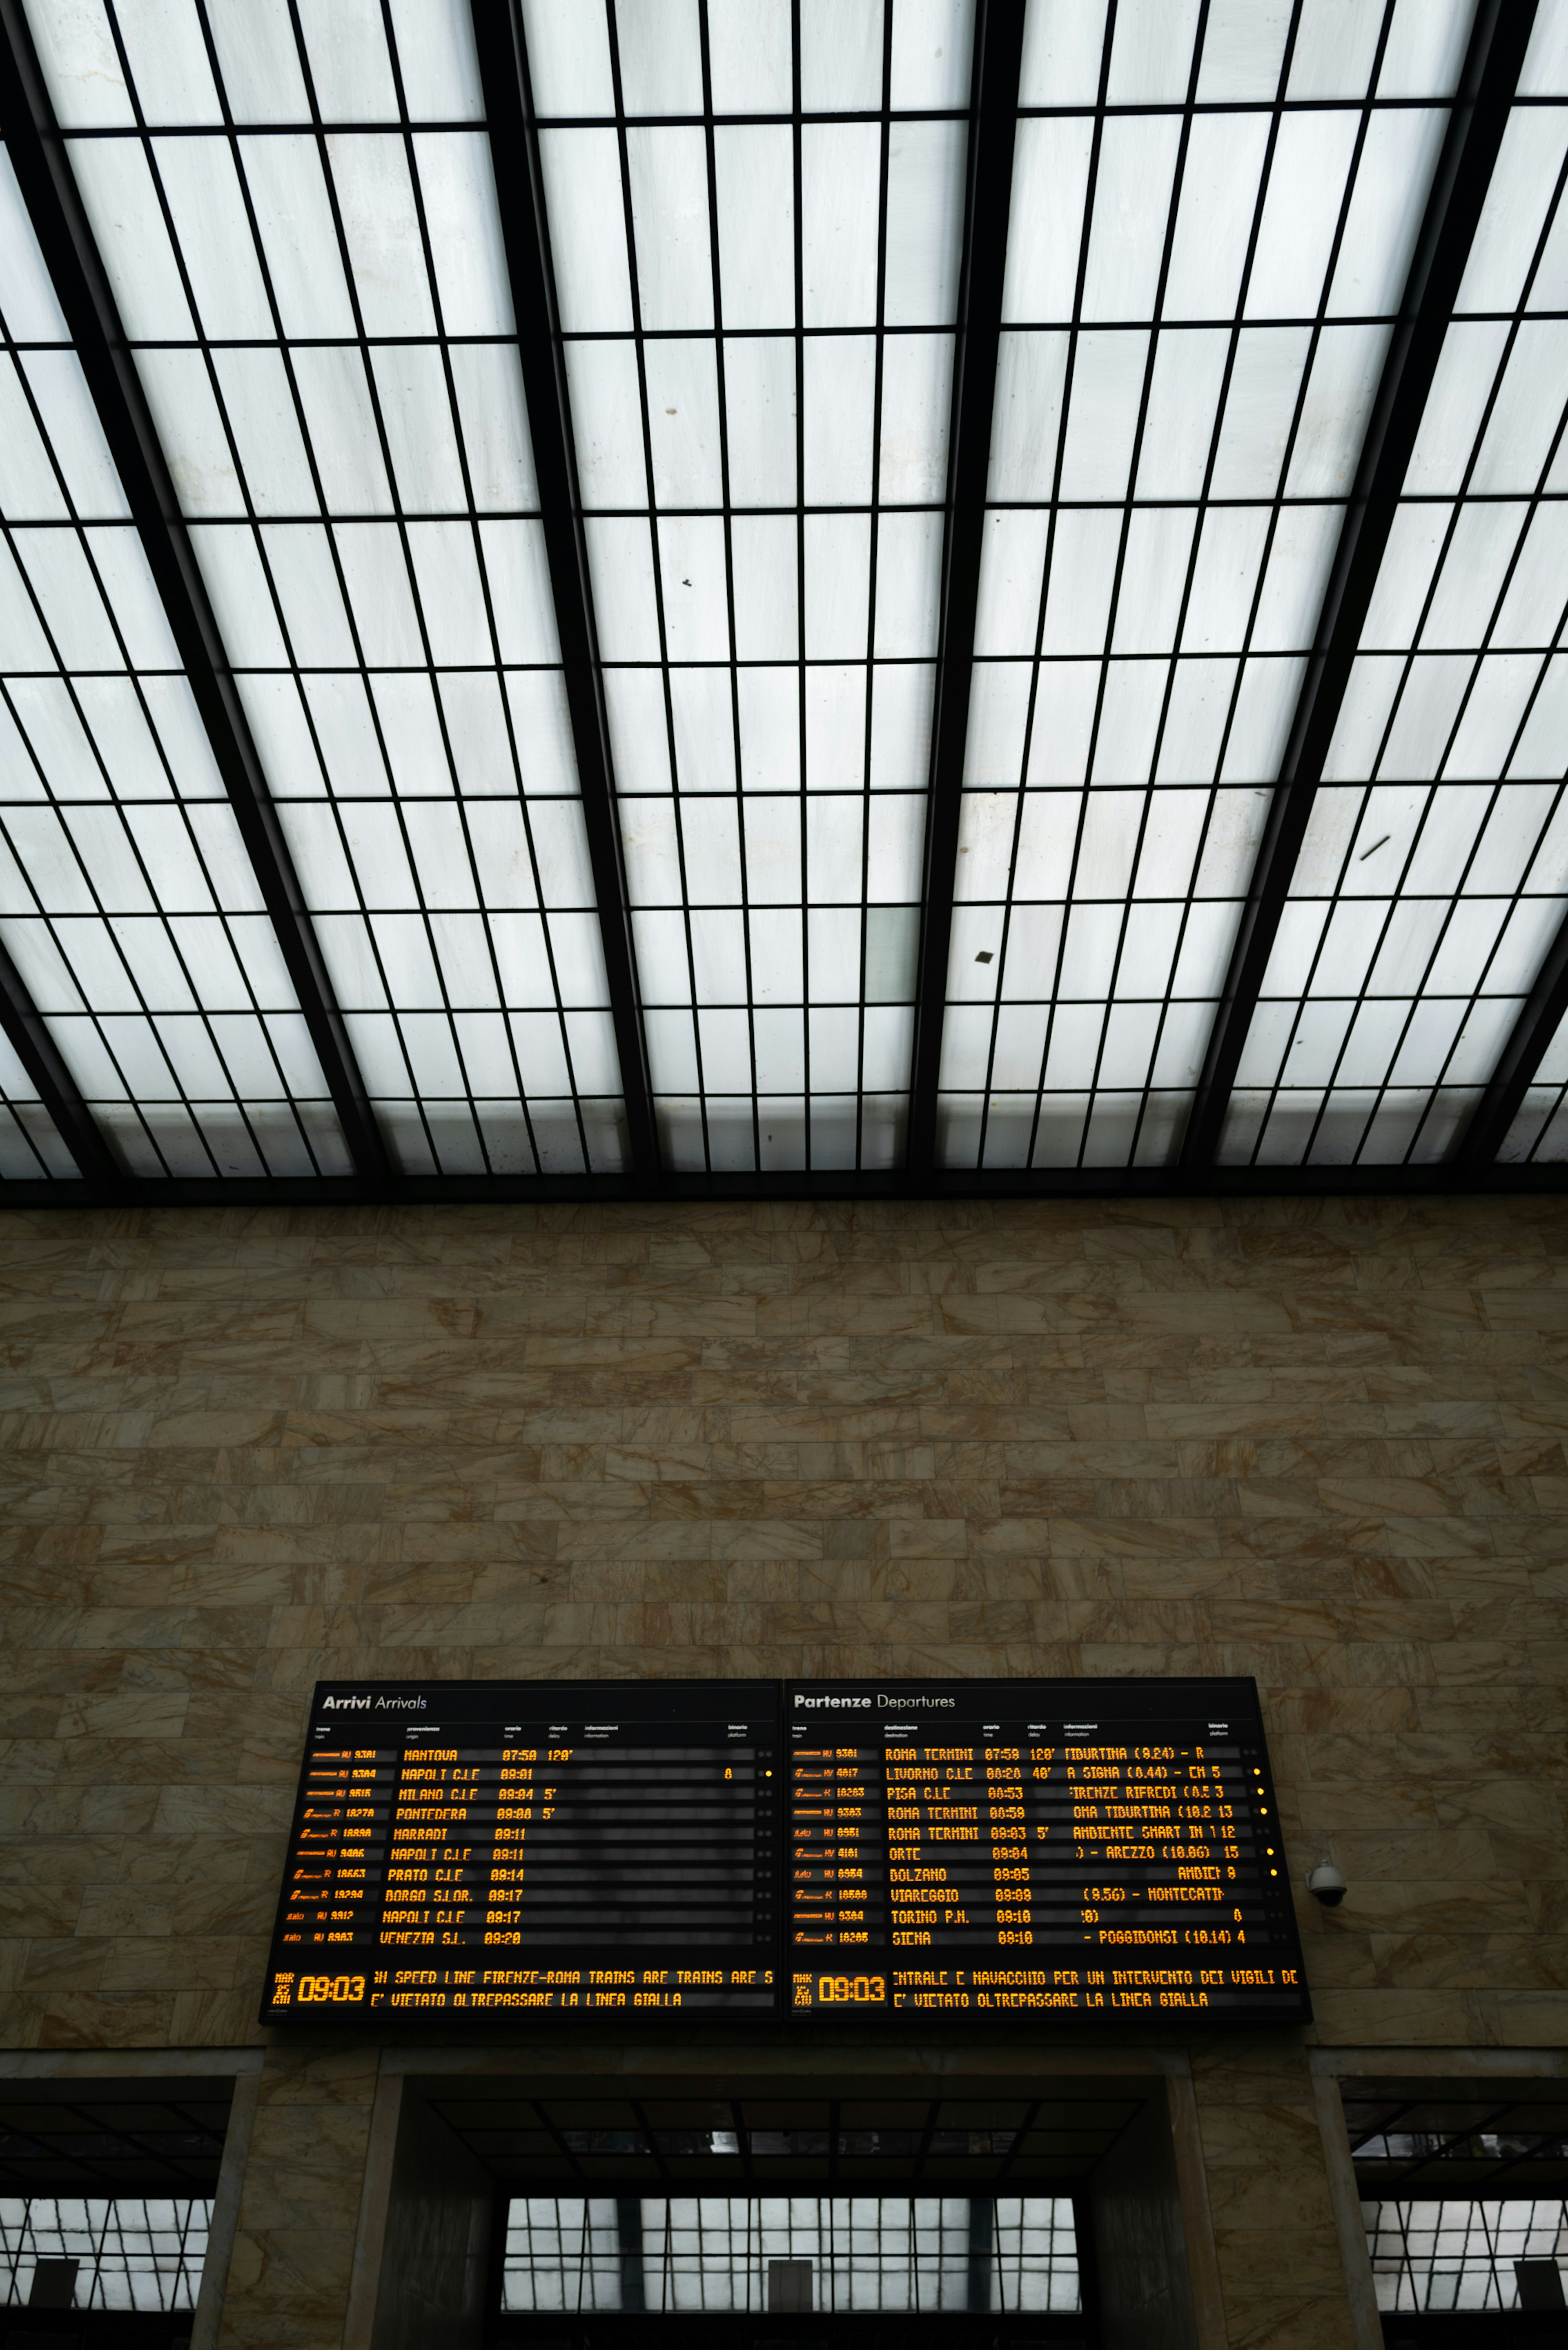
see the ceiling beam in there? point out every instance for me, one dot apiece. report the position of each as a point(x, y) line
point(35, 1048)
point(1444, 1180)
point(59, 221)
point(1498, 40)
point(998, 54)
point(515, 151)
point(1540, 1017)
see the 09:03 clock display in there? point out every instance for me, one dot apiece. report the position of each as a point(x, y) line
point(483, 1849)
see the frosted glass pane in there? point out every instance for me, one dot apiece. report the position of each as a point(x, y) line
point(588, 229)
point(1050, 175)
point(1132, 197)
point(669, 213)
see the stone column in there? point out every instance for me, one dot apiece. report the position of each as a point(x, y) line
point(299, 2208)
point(1281, 2278)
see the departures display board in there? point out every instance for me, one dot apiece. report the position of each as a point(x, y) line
point(1004, 1847)
point(815, 1849)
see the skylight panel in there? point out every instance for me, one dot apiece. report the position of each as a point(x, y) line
point(1434, 876)
point(751, 225)
point(127, 903)
point(1196, 309)
point(300, 221)
point(758, 320)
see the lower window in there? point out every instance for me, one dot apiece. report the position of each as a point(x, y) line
point(783, 2255)
point(101, 2269)
point(1428, 2258)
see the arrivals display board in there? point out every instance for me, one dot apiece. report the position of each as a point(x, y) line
point(479, 1848)
point(476, 1850)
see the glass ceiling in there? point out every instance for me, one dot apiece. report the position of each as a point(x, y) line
point(299, 220)
point(757, 218)
point(1434, 877)
point(756, 242)
point(130, 912)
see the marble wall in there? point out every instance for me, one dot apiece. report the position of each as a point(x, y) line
point(1316, 1441)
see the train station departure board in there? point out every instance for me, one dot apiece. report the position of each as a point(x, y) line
point(475, 1850)
point(1102, 1848)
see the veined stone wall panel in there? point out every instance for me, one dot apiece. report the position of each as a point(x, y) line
point(1316, 1441)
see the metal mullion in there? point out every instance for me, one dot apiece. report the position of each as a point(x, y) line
point(71, 255)
point(993, 117)
point(1299, 1013)
point(66, 678)
point(471, 517)
point(1205, 504)
point(1449, 2139)
point(1360, 997)
point(1069, 377)
point(263, 555)
point(797, 189)
point(1474, 995)
point(202, 1011)
point(281, 345)
point(68, 682)
point(177, 799)
point(24, 1026)
point(879, 350)
point(73, 520)
point(1503, 1095)
point(76, 136)
point(1531, 507)
point(400, 523)
point(711, 159)
point(59, 1096)
point(513, 146)
point(1553, 2137)
point(1177, 176)
point(635, 289)
point(95, 1018)
point(13, 1109)
point(1477, 115)
point(1396, 897)
point(99, 911)
point(1367, 108)
point(260, 1016)
point(657, 560)
point(1129, 107)
point(1402, 2106)
point(1006, 901)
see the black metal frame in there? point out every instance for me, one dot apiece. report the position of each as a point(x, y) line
point(59, 221)
point(27, 1031)
point(998, 56)
point(1445, 1180)
point(1496, 51)
point(1543, 1011)
point(15, 2167)
point(1498, 40)
point(515, 151)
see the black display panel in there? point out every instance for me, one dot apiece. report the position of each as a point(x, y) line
point(992, 1848)
point(821, 1849)
point(479, 1848)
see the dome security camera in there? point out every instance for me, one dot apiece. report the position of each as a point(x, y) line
point(1325, 1883)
